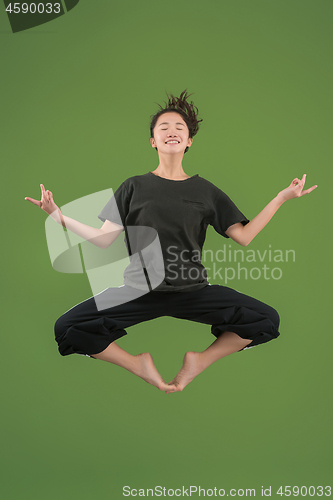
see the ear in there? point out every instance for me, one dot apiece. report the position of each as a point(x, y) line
point(189, 142)
point(152, 142)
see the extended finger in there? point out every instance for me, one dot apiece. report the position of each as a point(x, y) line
point(44, 198)
point(307, 191)
point(35, 202)
point(302, 182)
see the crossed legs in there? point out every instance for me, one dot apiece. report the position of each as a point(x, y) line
point(76, 328)
point(194, 363)
point(141, 365)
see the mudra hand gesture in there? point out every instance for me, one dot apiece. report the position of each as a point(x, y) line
point(46, 203)
point(295, 190)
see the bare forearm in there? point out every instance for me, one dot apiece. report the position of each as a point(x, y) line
point(252, 228)
point(245, 234)
point(92, 234)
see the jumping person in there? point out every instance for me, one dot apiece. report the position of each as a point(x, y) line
point(179, 208)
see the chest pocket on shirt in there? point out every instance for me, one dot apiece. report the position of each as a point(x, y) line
point(195, 203)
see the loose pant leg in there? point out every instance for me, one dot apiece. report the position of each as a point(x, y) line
point(84, 329)
point(226, 309)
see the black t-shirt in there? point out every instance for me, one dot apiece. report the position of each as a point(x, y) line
point(179, 212)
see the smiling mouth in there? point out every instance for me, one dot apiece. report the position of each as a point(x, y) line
point(172, 142)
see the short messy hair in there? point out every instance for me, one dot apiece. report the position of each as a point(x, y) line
point(186, 109)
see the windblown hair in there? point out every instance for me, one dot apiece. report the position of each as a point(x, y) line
point(186, 109)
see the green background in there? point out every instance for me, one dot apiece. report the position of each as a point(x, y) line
point(76, 99)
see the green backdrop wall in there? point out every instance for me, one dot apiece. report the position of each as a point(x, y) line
point(76, 98)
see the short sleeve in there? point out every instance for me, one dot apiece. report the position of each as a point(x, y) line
point(117, 207)
point(226, 214)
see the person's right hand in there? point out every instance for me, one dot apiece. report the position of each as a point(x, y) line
point(46, 203)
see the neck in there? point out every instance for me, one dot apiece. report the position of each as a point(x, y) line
point(170, 166)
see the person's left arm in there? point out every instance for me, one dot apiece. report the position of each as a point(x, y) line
point(245, 234)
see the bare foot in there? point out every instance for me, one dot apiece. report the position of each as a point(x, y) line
point(192, 366)
point(146, 369)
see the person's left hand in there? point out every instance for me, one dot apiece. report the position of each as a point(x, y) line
point(295, 190)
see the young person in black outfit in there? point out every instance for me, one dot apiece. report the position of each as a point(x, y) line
point(165, 276)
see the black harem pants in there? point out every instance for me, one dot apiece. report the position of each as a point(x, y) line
point(86, 329)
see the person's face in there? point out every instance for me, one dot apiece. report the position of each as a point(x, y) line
point(171, 134)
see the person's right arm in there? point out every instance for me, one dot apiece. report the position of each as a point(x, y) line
point(102, 237)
